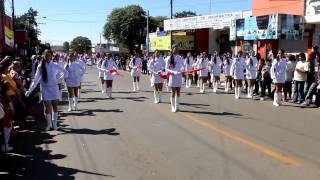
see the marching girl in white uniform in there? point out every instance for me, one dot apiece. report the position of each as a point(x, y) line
point(203, 74)
point(84, 67)
point(136, 65)
point(216, 65)
point(175, 67)
point(58, 59)
point(237, 70)
point(47, 75)
point(101, 73)
point(278, 71)
point(157, 64)
point(188, 62)
point(251, 72)
point(227, 62)
point(107, 66)
point(75, 72)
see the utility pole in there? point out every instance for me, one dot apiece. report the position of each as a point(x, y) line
point(13, 29)
point(210, 7)
point(171, 16)
point(147, 40)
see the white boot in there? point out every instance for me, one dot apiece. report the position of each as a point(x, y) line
point(187, 83)
point(75, 103)
point(177, 103)
point(70, 104)
point(201, 89)
point(102, 88)
point(190, 82)
point(159, 97)
point(107, 93)
point(236, 93)
point(280, 99)
point(214, 86)
point(198, 83)
point(172, 104)
point(55, 120)
point(228, 87)
point(155, 95)
point(49, 122)
point(239, 92)
point(275, 99)
point(137, 86)
point(249, 95)
point(134, 86)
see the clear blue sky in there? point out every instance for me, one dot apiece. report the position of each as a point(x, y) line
point(66, 19)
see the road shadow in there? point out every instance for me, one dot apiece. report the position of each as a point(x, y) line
point(136, 99)
point(89, 112)
point(85, 131)
point(32, 159)
point(213, 113)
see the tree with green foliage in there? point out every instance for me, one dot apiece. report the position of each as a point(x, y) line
point(81, 45)
point(28, 21)
point(66, 46)
point(183, 14)
point(156, 22)
point(127, 26)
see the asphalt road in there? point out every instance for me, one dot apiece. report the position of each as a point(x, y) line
point(214, 137)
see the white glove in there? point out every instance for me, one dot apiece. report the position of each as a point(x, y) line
point(27, 93)
point(176, 73)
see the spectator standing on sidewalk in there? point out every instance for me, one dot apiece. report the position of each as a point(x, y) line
point(287, 89)
point(266, 80)
point(315, 86)
point(300, 77)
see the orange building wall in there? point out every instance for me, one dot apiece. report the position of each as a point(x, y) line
point(264, 7)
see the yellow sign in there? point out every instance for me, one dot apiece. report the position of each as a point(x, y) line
point(8, 32)
point(162, 43)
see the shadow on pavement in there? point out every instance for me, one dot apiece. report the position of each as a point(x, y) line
point(88, 112)
point(31, 158)
point(110, 132)
point(213, 113)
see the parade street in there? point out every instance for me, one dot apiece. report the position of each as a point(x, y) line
point(212, 137)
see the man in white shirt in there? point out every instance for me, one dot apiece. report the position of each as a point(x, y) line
point(300, 77)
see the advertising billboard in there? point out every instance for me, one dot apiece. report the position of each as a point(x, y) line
point(261, 27)
point(291, 27)
point(312, 7)
point(161, 41)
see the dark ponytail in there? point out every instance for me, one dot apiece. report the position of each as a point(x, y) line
point(228, 61)
point(134, 61)
point(44, 71)
point(215, 59)
point(251, 62)
point(188, 60)
point(172, 62)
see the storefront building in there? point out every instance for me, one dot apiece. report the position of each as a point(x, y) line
point(211, 32)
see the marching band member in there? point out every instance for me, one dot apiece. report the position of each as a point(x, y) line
point(136, 65)
point(188, 62)
point(84, 67)
point(101, 73)
point(216, 65)
point(278, 71)
point(251, 72)
point(175, 66)
point(75, 72)
point(203, 74)
point(227, 62)
point(155, 66)
point(107, 67)
point(237, 70)
point(47, 75)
